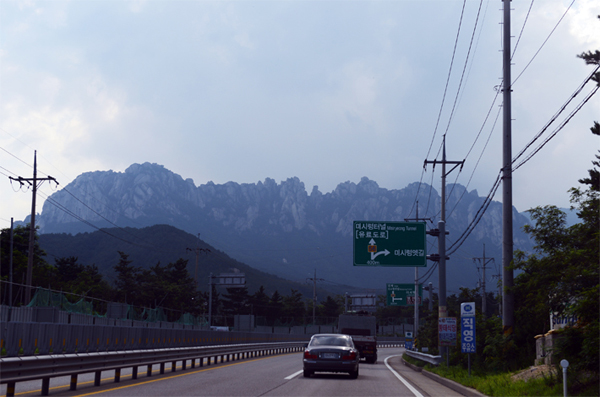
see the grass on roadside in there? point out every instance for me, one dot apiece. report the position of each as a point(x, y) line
point(495, 384)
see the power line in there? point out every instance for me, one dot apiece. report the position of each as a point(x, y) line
point(557, 114)
point(458, 90)
point(543, 44)
point(443, 97)
point(558, 129)
point(522, 29)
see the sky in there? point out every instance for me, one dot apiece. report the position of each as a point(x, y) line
point(326, 91)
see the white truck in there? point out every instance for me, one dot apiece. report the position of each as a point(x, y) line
point(363, 330)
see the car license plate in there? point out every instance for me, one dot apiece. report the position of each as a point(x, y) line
point(329, 355)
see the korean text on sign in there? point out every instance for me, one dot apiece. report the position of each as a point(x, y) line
point(447, 331)
point(467, 332)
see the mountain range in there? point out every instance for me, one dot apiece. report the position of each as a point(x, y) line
point(280, 228)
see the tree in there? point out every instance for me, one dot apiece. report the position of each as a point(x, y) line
point(80, 279)
point(562, 276)
point(236, 301)
point(330, 308)
point(43, 273)
point(260, 302)
point(275, 307)
point(293, 306)
point(126, 284)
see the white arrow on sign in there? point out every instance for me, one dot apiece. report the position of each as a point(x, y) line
point(376, 254)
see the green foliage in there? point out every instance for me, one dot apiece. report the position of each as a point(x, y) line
point(501, 384)
point(126, 284)
point(83, 280)
point(293, 307)
point(330, 308)
point(236, 301)
point(43, 274)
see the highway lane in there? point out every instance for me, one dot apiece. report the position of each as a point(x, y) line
point(264, 376)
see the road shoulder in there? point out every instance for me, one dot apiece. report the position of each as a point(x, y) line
point(457, 387)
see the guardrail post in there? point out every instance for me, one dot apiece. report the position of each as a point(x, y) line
point(10, 389)
point(162, 368)
point(97, 378)
point(134, 372)
point(73, 382)
point(45, 386)
point(117, 375)
point(173, 366)
point(149, 371)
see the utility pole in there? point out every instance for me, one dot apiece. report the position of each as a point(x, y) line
point(508, 302)
point(442, 309)
point(314, 280)
point(499, 277)
point(10, 264)
point(197, 251)
point(430, 296)
point(210, 288)
point(484, 262)
point(33, 182)
point(416, 327)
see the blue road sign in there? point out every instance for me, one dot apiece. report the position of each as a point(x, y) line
point(467, 335)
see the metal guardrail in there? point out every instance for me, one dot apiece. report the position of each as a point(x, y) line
point(435, 360)
point(27, 368)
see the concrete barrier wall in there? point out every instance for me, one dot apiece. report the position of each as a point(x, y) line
point(26, 334)
point(26, 339)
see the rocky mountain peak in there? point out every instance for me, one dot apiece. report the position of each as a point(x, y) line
point(265, 218)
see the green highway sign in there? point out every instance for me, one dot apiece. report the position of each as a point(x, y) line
point(402, 294)
point(400, 244)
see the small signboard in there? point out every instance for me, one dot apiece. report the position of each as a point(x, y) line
point(447, 331)
point(408, 340)
point(363, 300)
point(401, 244)
point(231, 279)
point(467, 327)
point(402, 294)
point(467, 335)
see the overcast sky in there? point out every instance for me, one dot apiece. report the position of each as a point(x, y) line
point(328, 91)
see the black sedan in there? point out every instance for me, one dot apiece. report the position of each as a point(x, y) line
point(331, 353)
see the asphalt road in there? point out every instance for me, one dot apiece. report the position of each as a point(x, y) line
point(264, 376)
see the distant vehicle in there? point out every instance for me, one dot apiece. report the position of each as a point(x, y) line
point(362, 328)
point(331, 353)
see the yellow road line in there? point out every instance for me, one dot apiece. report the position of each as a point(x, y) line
point(179, 375)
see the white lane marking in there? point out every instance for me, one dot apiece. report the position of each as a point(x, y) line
point(294, 375)
point(412, 389)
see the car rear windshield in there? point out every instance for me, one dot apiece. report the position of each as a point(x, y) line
point(330, 341)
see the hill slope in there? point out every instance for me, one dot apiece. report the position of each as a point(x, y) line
point(162, 244)
point(280, 228)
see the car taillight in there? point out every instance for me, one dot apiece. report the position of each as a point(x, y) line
point(309, 356)
point(350, 356)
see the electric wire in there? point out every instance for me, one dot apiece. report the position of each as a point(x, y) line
point(522, 29)
point(543, 44)
point(9, 171)
point(443, 100)
point(100, 215)
point(460, 83)
point(479, 159)
point(488, 199)
point(556, 115)
point(478, 216)
point(61, 207)
point(558, 129)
